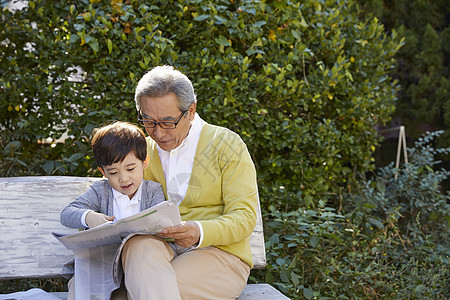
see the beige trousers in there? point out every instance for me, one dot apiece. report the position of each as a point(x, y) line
point(153, 271)
point(119, 294)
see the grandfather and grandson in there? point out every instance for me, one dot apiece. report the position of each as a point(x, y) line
point(207, 170)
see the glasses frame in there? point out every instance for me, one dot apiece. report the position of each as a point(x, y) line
point(145, 123)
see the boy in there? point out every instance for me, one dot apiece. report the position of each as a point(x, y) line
point(120, 151)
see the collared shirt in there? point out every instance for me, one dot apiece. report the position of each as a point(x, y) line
point(177, 165)
point(123, 206)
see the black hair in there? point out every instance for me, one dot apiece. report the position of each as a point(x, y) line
point(112, 143)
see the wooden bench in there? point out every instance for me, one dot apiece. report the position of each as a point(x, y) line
point(29, 213)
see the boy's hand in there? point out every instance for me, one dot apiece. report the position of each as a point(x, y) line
point(186, 234)
point(93, 219)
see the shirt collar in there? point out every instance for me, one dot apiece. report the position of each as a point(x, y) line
point(136, 197)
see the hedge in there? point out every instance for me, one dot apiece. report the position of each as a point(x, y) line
point(304, 84)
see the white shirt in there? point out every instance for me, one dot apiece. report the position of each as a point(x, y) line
point(177, 165)
point(123, 206)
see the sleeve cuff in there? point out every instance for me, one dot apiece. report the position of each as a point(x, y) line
point(201, 235)
point(83, 218)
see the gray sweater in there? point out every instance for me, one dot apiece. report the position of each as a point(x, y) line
point(99, 198)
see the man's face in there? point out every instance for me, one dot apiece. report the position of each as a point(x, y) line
point(127, 175)
point(165, 109)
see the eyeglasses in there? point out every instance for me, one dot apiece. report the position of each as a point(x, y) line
point(163, 125)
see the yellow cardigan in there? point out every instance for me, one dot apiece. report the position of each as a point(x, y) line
point(222, 192)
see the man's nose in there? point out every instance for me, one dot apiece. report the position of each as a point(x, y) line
point(157, 132)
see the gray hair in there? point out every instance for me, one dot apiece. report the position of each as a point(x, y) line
point(164, 80)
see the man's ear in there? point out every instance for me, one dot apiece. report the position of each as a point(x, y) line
point(192, 110)
point(146, 161)
point(101, 170)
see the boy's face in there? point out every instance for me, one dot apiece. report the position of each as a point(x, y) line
point(127, 175)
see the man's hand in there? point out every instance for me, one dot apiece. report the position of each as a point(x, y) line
point(93, 219)
point(186, 234)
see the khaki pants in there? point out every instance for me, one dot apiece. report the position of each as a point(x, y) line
point(119, 294)
point(154, 271)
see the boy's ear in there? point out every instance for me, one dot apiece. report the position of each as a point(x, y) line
point(146, 161)
point(101, 170)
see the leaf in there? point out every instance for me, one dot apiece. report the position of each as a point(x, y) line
point(220, 20)
point(21, 163)
point(48, 167)
point(429, 169)
point(280, 261)
point(269, 277)
point(334, 237)
point(250, 51)
point(221, 40)
point(201, 18)
point(88, 129)
point(419, 288)
point(75, 157)
point(308, 293)
point(376, 222)
point(88, 38)
point(11, 147)
point(109, 44)
point(295, 279)
point(284, 275)
point(259, 23)
point(295, 34)
point(313, 241)
point(308, 200)
point(94, 45)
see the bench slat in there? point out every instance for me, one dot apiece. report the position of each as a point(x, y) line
point(260, 291)
point(29, 212)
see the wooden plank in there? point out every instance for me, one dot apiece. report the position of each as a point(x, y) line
point(257, 242)
point(29, 212)
point(260, 291)
point(60, 295)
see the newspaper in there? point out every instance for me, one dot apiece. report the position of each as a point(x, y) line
point(98, 269)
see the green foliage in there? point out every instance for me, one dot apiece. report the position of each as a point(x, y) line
point(14, 285)
point(304, 83)
point(414, 196)
point(424, 61)
point(389, 241)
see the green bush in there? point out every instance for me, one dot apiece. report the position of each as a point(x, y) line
point(415, 195)
point(390, 240)
point(303, 83)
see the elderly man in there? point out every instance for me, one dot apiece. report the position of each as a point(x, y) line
point(208, 171)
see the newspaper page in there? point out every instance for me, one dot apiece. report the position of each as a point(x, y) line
point(98, 271)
